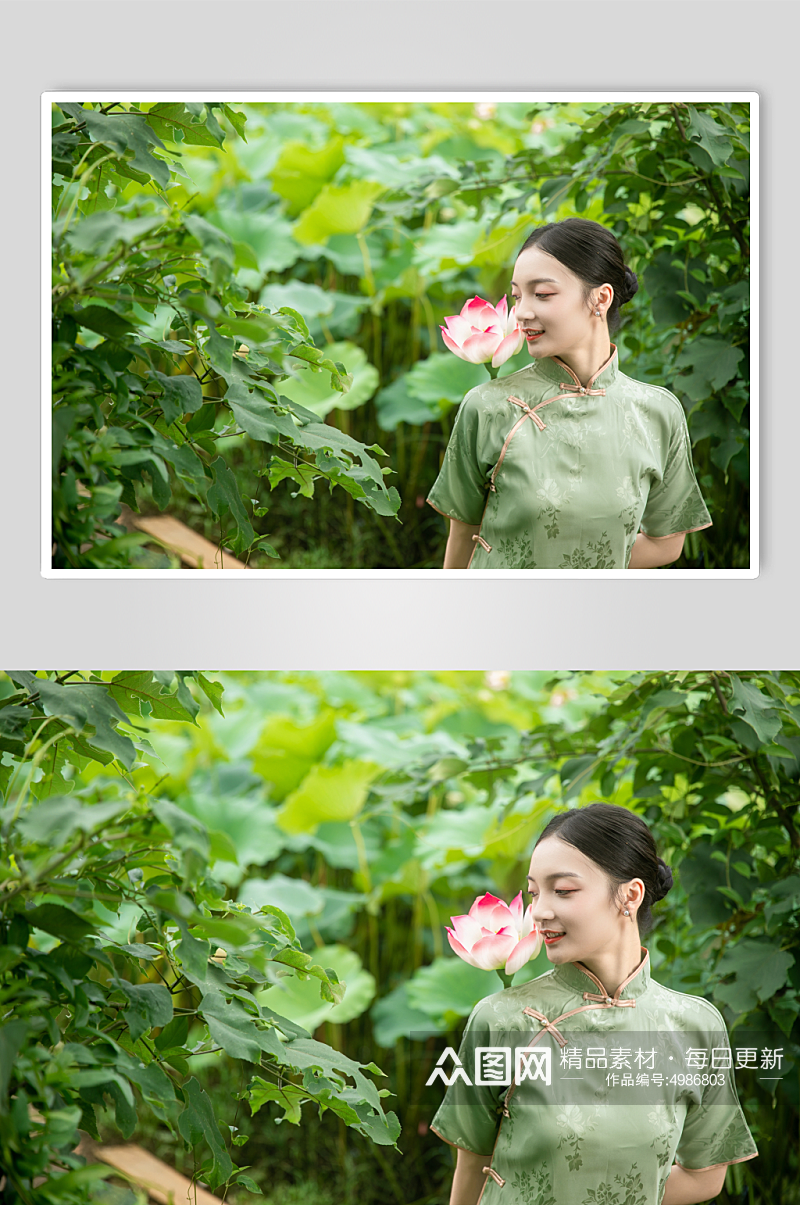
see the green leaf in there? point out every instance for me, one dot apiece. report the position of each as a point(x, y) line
point(97, 233)
point(300, 1000)
point(81, 705)
point(755, 708)
point(313, 390)
point(124, 133)
point(224, 498)
point(149, 1006)
point(577, 773)
point(12, 1037)
point(182, 394)
point(300, 173)
point(235, 1030)
point(258, 417)
point(238, 121)
point(338, 209)
point(713, 363)
point(138, 691)
point(268, 235)
point(308, 299)
point(219, 350)
point(449, 987)
point(104, 321)
point(327, 793)
point(197, 1123)
point(212, 690)
point(760, 965)
point(61, 922)
point(169, 118)
point(54, 821)
point(187, 832)
point(713, 138)
point(288, 1096)
point(215, 243)
point(393, 1018)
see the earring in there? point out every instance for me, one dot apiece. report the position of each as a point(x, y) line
point(598, 313)
point(626, 913)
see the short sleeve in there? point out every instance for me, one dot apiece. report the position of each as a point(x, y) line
point(459, 492)
point(675, 504)
point(469, 1116)
point(714, 1129)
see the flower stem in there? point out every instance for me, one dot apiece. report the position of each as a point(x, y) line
point(505, 978)
point(493, 374)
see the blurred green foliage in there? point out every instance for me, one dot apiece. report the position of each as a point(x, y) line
point(374, 221)
point(371, 807)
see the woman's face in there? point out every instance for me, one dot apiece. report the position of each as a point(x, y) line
point(549, 298)
point(571, 895)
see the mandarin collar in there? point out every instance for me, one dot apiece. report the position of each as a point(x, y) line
point(558, 372)
point(579, 978)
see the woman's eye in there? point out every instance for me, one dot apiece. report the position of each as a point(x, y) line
point(543, 295)
point(564, 892)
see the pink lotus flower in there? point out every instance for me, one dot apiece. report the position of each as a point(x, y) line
point(494, 935)
point(483, 332)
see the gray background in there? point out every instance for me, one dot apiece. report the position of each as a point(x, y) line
point(404, 623)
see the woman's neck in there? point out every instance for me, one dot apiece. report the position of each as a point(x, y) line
point(613, 967)
point(586, 360)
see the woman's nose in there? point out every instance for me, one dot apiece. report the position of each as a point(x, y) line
point(524, 311)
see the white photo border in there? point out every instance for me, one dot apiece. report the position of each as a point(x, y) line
point(423, 95)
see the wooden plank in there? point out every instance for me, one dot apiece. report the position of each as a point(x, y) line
point(162, 1183)
point(194, 550)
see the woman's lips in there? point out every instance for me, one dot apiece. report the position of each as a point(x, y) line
point(551, 941)
point(532, 336)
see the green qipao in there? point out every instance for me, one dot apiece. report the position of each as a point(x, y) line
point(564, 477)
point(580, 1140)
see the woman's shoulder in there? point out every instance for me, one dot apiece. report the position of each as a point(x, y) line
point(493, 395)
point(656, 397)
point(506, 1006)
point(695, 1011)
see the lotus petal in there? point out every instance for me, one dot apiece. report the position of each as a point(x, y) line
point(500, 918)
point(524, 951)
point(502, 308)
point(482, 315)
point(528, 923)
point(515, 908)
point(458, 328)
point(467, 930)
point(474, 306)
point(452, 346)
point(480, 347)
point(508, 348)
point(460, 950)
point(483, 907)
point(491, 953)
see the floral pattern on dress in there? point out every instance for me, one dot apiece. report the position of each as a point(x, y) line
point(580, 558)
point(517, 552)
point(576, 1125)
point(553, 498)
point(630, 1192)
point(536, 1187)
point(630, 500)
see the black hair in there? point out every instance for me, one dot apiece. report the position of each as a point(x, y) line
point(621, 844)
point(593, 254)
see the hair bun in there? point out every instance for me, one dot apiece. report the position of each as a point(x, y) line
point(631, 283)
point(665, 880)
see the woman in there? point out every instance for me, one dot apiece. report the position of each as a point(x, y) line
point(594, 875)
point(568, 463)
